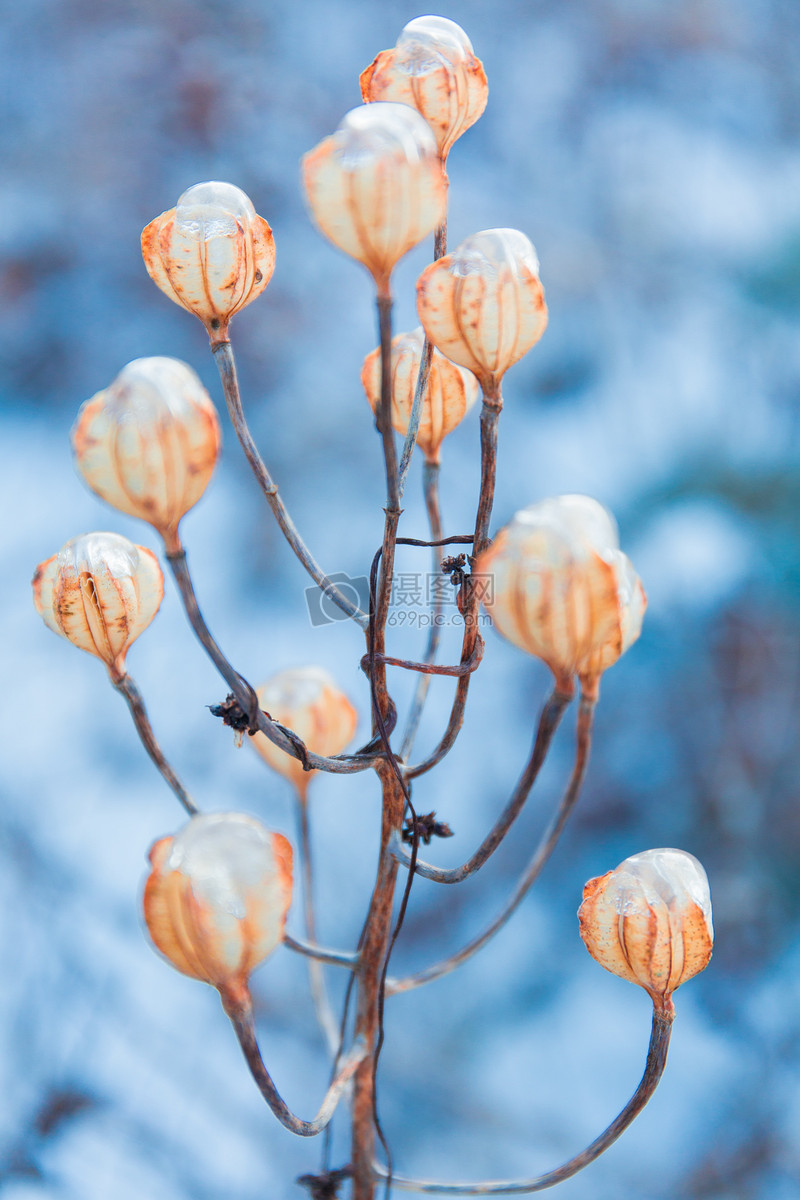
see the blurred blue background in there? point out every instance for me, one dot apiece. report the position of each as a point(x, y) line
point(650, 150)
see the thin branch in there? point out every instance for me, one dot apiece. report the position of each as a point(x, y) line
point(548, 723)
point(245, 694)
point(542, 853)
point(240, 1013)
point(316, 978)
point(654, 1069)
point(430, 483)
point(428, 669)
point(337, 958)
point(226, 364)
point(126, 687)
point(415, 415)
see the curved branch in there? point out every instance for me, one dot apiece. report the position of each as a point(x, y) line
point(654, 1069)
point(127, 688)
point(548, 723)
point(337, 958)
point(532, 871)
point(226, 364)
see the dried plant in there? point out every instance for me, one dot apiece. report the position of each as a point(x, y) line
point(554, 582)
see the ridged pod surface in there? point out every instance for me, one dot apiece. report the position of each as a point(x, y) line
point(149, 442)
point(100, 592)
point(649, 921)
point(433, 69)
point(212, 254)
point(483, 305)
point(307, 701)
point(216, 899)
point(450, 394)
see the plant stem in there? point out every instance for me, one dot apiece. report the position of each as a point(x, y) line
point(654, 1069)
point(548, 723)
point(430, 482)
point(126, 687)
point(542, 853)
point(226, 364)
point(337, 958)
point(316, 978)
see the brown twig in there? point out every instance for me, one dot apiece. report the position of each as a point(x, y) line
point(127, 688)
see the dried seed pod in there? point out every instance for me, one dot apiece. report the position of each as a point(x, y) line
point(450, 394)
point(649, 921)
point(149, 442)
point(556, 585)
point(433, 69)
point(376, 186)
point(307, 701)
point(212, 254)
point(483, 305)
point(100, 592)
point(216, 899)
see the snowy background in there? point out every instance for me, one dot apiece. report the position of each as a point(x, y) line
point(650, 150)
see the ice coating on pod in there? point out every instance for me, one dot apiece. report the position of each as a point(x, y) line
point(212, 254)
point(149, 442)
point(433, 69)
point(307, 701)
point(649, 921)
point(376, 186)
point(100, 592)
point(216, 899)
point(450, 394)
point(483, 305)
point(560, 588)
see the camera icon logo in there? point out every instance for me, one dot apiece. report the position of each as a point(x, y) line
point(323, 610)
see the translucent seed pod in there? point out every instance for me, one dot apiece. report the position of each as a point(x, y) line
point(100, 592)
point(450, 394)
point(216, 899)
point(376, 186)
point(483, 305)
point(433, 69)
point(307, 701)
point(149, 442)
point(212, 254)
point(649, 921)
point(556, 584)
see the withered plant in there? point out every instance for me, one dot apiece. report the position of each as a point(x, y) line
point(554, 582)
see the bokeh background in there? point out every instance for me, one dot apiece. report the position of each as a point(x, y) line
point(650, 150)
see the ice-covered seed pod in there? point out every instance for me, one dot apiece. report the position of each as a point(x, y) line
point(216, 899)
point(649, 921)
point(307, 701)
point(212, 254)
point(556, 584)
point(376, 186)
point(433, 69)
point(483, 305)
point(100, 592)
point(149, 442)
point(450, 394)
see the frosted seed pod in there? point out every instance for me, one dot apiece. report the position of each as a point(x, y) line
point(376, 186)
point(649, 921)
point(433, 69)
point(149, 442)
point(483, 305)
point(100, 592)
point(557, 586)
point(216, 899)
point(307, 701)
point(450, 394)
point(212, 254)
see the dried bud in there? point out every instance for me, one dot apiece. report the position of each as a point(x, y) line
point(376, 187)
point(483, 305)
point(216, 900)
point(450, 394)
point(100, 592)
point(149, 442)
point(649, 921)
point(307, 701)
point(433, 69)
point(212, 254)
point(561, 589)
